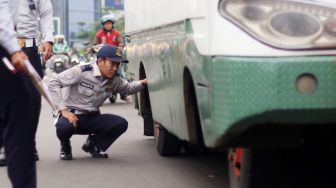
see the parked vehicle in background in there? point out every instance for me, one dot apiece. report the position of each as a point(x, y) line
point(253, 76)
point(82, 60)
point(61, 62)
point(60, 59)
point(75, 60)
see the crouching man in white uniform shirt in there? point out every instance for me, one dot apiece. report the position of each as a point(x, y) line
point(89, 86)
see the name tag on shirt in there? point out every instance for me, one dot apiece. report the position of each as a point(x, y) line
point(87, 85)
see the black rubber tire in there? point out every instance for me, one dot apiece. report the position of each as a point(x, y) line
point(260, 168)
point(194, 150)
point(167, 144)
point(148, 124)
point(190, 149)
point(113, 98)
point(136, 102)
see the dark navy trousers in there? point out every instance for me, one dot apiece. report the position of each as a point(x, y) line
point(32, 94)
point(18, 133)
point(103, 128)
point(17, 126)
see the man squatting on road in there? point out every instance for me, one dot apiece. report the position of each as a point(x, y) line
point(89, 86)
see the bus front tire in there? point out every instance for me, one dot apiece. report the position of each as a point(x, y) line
point(148, 124)
point(167, 144)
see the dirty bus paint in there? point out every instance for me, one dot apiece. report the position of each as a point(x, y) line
point(233, 74)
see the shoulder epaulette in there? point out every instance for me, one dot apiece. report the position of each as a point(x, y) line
point(86, 67)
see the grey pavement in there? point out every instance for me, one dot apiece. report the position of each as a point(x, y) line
point(133, 161)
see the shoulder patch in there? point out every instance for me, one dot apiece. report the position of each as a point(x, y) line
point(87, 67)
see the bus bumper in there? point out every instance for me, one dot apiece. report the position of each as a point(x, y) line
point(250, 92)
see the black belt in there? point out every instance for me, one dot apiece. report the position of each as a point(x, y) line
point(84, 112)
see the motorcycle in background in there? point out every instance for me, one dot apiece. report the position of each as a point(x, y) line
point(61, 62)
point(75, 60)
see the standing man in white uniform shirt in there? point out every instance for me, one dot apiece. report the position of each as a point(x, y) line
point(16, 118)
point(26, 24)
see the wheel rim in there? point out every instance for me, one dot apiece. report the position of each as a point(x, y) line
point(236, 157)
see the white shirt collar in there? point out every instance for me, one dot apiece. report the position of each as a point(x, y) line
point(96, 71)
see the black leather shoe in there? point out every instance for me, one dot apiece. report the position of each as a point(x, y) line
point(3, 161)
point(88, 145)
point(65, 156)
point(95, 152)
point(66, 151)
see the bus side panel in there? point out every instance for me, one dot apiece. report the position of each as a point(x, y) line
point(164, 60)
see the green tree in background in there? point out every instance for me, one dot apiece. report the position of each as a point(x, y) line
point(120, 25)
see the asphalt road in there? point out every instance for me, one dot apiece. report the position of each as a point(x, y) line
point(133, 161)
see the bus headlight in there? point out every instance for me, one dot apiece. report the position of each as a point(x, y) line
point(253, 13)
point(330, 27)
point(294, 24)
point(284, 24)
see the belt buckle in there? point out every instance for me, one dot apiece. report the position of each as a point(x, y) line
point(22, 43)
point(77, 112)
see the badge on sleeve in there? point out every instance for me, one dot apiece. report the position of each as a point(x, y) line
point(86, 67)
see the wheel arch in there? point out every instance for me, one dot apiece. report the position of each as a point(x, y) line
point(144, 104)
point(193, 121)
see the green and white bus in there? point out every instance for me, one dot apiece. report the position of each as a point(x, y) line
point(237, 74)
